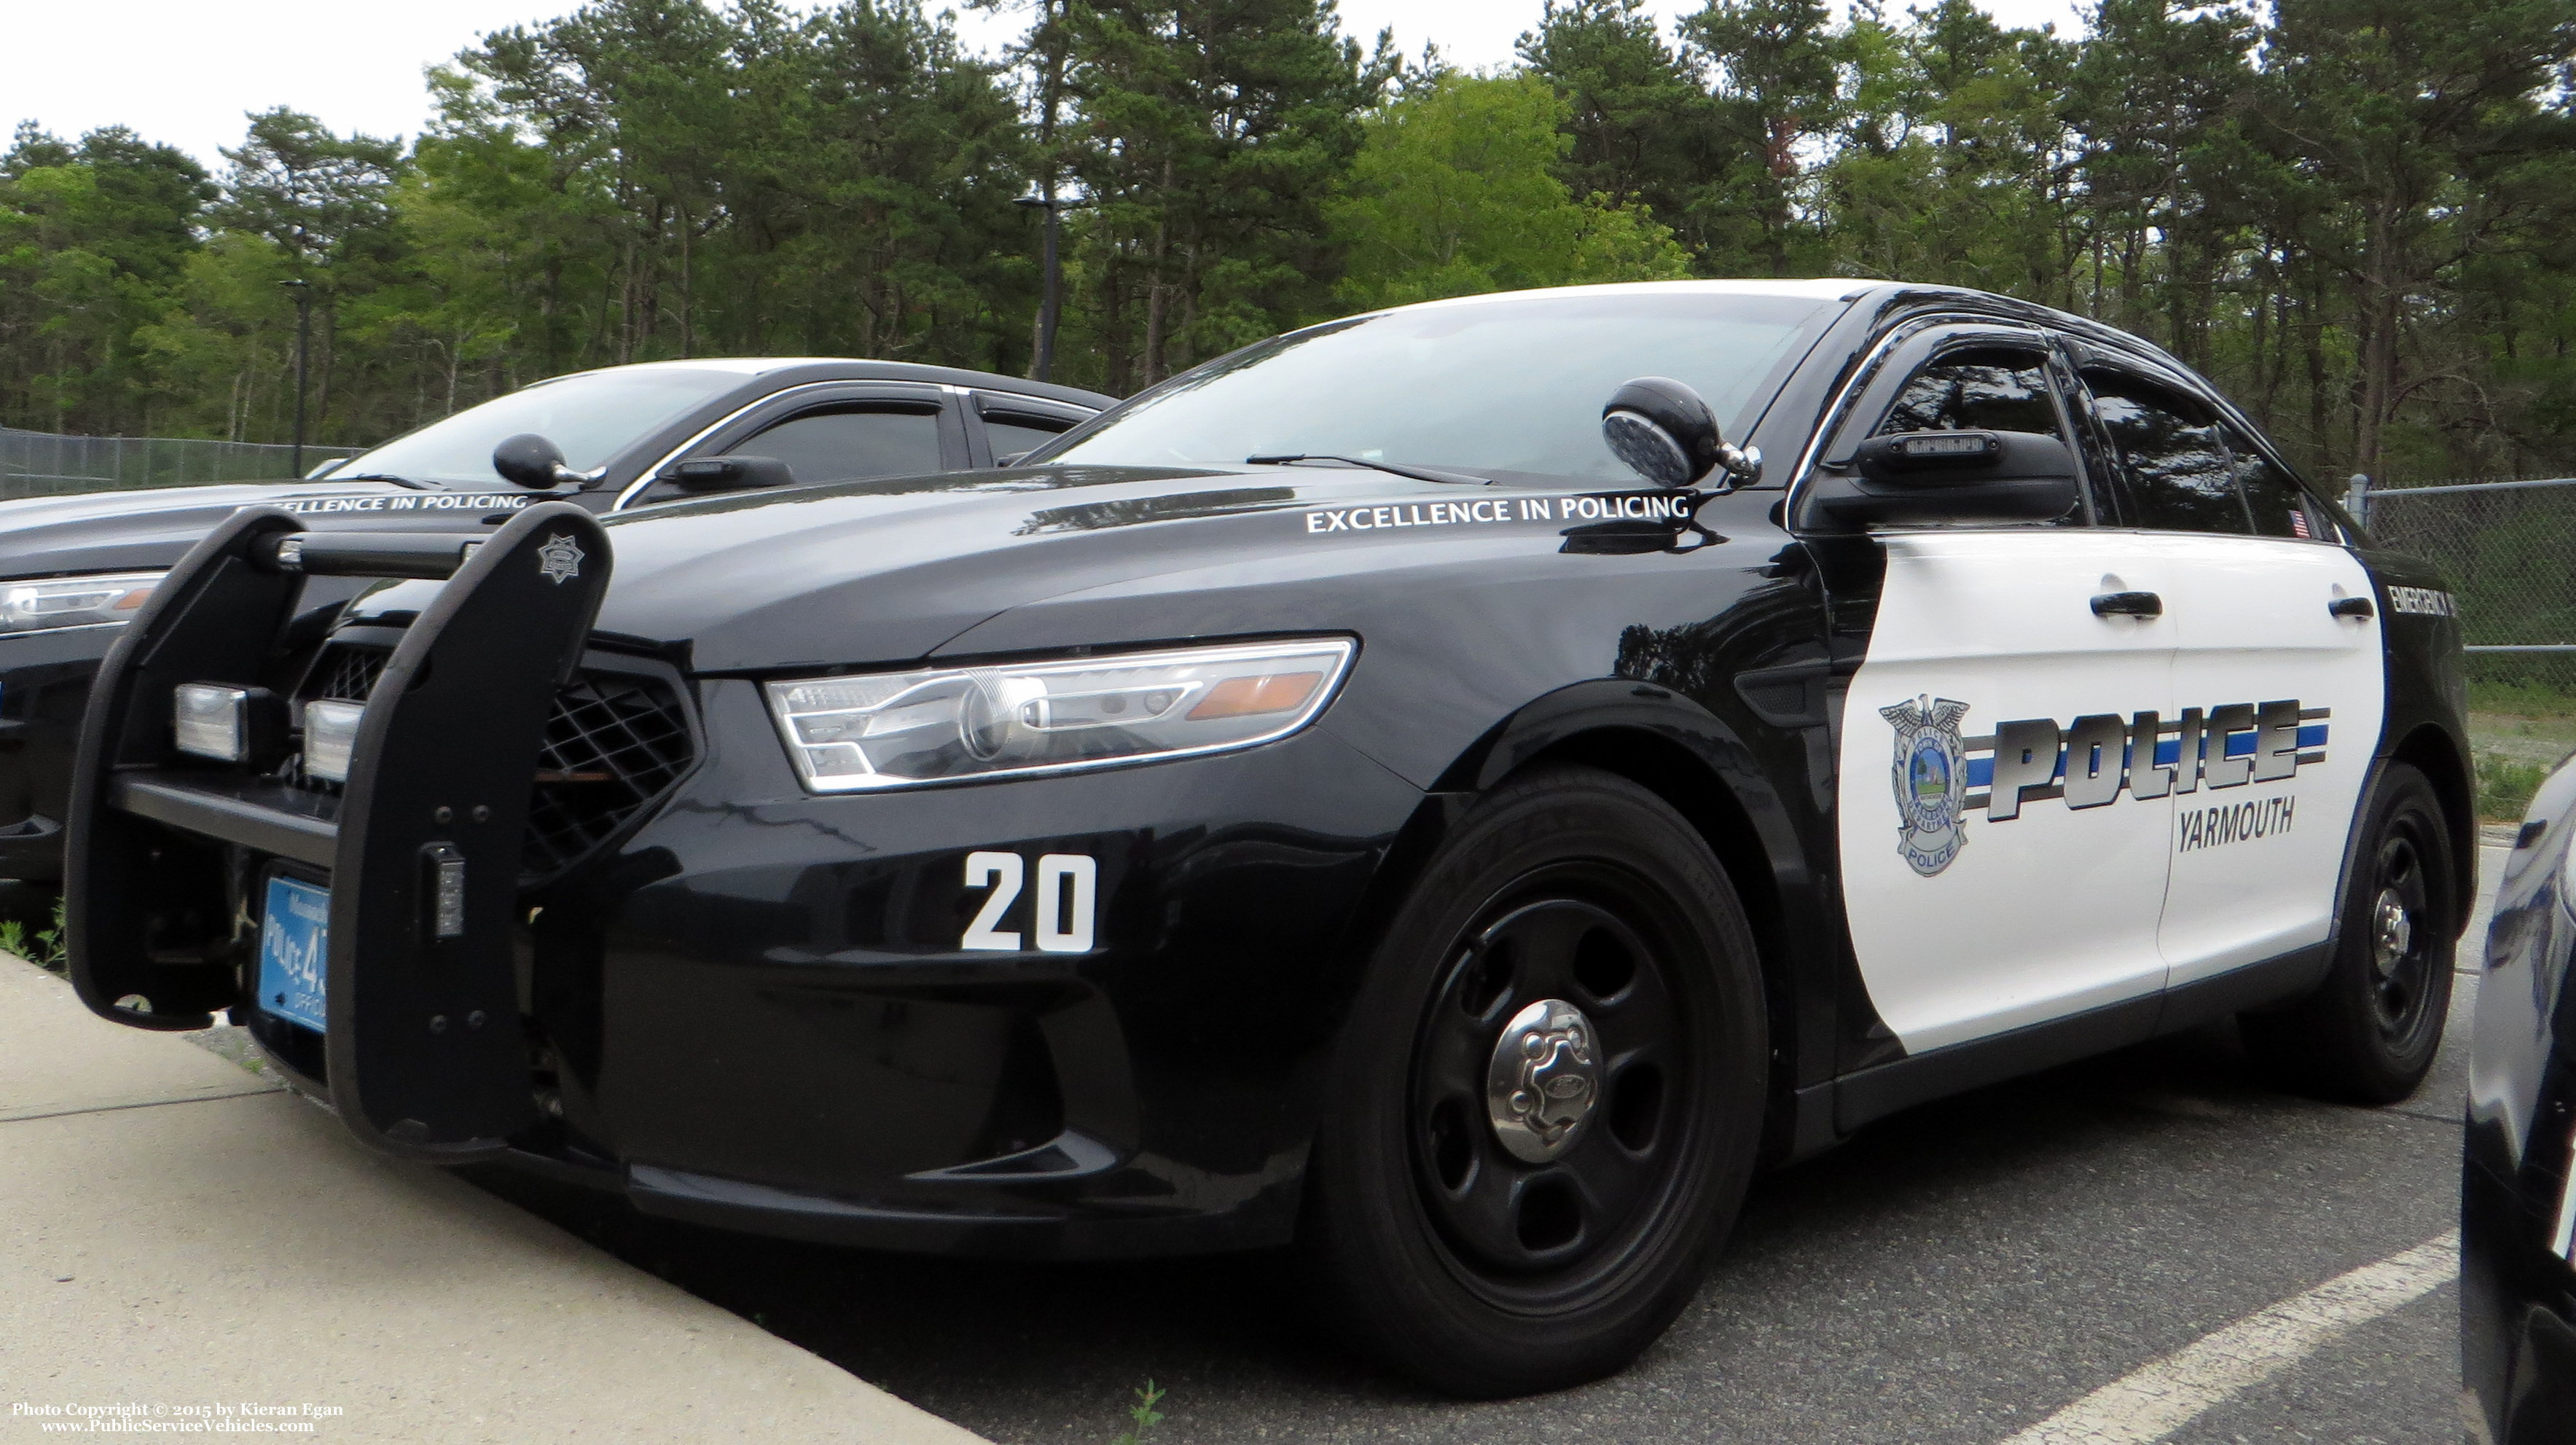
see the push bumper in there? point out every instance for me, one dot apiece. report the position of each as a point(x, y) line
point(423, 1053)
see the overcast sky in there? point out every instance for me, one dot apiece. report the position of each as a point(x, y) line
point(186, 71)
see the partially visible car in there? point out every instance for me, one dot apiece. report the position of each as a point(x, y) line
point(73, 569)
point(2517, 1190)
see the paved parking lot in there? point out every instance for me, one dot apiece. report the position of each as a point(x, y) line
point(1956, 1273)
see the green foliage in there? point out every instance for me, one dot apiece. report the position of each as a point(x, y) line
point(2505, 787)
point(43, 948)
point(2359, 216)
point(1455, 192)
point(1144, 1416)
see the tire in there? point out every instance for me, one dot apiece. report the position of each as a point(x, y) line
point(2369, 1032)
point(1426, 1241)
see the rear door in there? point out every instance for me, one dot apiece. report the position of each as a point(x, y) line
point(1995, 873)
point(1008, 426)
point(2279, 699)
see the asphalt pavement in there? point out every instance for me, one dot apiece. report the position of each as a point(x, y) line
point(1956, 1273)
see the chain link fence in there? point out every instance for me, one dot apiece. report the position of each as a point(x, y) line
point(2508, 548)
point(39, 464)
point(2509, 552)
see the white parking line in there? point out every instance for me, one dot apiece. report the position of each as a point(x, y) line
point(2166, 1394)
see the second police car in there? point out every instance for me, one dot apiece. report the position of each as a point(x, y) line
point(1453, 790)
point(74, 568)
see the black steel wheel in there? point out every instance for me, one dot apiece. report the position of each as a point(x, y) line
point(2370, 1031)
point(1557, 1077)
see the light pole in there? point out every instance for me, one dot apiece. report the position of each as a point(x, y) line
point(1051, 270)
point(303, 355)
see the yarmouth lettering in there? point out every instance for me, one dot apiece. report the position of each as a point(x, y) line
point(2218, 827)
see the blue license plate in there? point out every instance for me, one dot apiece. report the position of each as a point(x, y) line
point(294, 941)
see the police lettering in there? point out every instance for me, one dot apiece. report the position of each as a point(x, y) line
point(2091, 761)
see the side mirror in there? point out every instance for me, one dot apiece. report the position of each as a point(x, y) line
point(729, 474)
point(529, 460)
point(1666, 433)
point(1915, 478)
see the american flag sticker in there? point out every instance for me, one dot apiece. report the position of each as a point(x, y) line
point(2298, 522)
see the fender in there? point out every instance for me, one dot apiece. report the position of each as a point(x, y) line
point(1698, 761)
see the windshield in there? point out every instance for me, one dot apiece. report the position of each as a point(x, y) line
point(593, 416)
point(1510, 389)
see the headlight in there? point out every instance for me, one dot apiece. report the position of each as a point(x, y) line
point(74, 601)
point(894, 730)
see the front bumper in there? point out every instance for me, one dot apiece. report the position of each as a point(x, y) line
point(759, 1009)
point(44, 686)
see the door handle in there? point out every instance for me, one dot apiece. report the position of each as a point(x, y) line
point(2358, 608)
point(2128, 604)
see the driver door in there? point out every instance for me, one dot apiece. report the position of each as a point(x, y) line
point(1996, 871)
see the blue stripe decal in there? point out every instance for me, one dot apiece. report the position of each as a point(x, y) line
point(1981, 772)
point(2313, 735)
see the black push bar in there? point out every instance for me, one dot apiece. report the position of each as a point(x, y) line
point(431, 555)
point(425, 1052)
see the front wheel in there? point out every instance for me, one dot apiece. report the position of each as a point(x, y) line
point(1548, 1102)
point(2369, 1032)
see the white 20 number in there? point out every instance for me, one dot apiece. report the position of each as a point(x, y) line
point(1068, 893)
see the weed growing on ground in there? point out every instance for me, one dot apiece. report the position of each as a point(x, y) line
point(2505, 787)
point(44, 948)
point(1145, 1416)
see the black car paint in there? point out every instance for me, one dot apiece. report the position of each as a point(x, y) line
point(2517, 1295)
point(756, 1007)
point(45, 676)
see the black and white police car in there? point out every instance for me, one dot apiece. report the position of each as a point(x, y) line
point(2518, 1184)
point(1455, 789)
point(74, 568)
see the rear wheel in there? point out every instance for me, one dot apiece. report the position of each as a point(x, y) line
point(2369, 1032)
point(1548, 1102)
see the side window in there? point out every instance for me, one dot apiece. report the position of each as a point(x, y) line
point(2279, 508)
point(1983, 390)
point(2172, 461)
point(850, 444)
point(1012, 434)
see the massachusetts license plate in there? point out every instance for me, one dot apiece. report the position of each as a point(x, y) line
point(294, 939)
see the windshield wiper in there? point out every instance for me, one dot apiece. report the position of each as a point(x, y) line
point(417, 486)
point(1419, 474)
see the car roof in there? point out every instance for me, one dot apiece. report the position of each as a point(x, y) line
point(852, 368)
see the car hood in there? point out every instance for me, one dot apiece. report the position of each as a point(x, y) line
point(890, 569)
point(154, 527)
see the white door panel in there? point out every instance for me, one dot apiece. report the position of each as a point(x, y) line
point(2256, 859)
point(2034, 905)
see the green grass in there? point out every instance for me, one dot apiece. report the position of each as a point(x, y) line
point(2505, 787)
point(2520, 726)
point(43, 948)
point(1145, 1416)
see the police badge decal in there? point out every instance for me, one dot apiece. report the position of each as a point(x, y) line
point(1931, 777)
point(559, 560)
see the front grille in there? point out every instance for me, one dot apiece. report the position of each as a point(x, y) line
point(348, 674)
point(614, 742)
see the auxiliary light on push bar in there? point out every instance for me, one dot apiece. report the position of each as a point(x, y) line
point(228, 724)
point(330, 738)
